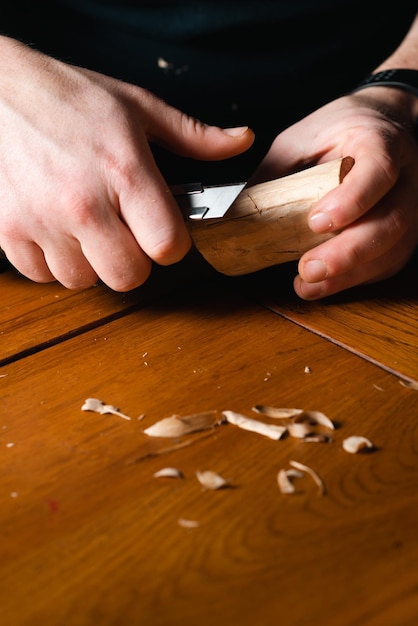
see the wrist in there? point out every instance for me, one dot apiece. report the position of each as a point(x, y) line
point(405, 79)
point(400, 81)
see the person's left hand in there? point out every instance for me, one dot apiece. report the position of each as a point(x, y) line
point(374, 212)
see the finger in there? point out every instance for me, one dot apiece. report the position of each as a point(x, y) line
point(377, 264)
point(369, 237)
point(63, 263)
point(115, 255)
point(189, 137)
point(376, 270)
point(364, 185)
point(68, 264)
point(28, 258)
point(147, 217)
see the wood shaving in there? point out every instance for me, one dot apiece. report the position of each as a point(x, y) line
point(167, 449)
point(284, 480)
point(279, 413)
point(298, 415)
point(300, 431)
point(311, 472)
point(315, 417)
point(168, 472)
point(410, 384)
point(211, 480)
point(272, 431)
point(357, 443)
point(316, 438)
point(93, 404)
point(177, 426)
point(188, 523)
point(294, 473)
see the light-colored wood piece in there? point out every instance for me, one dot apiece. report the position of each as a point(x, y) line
point(267, 224)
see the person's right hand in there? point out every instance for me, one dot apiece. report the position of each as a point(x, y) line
point(81, 197)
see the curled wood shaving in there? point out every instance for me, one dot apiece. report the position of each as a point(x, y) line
point(93, 404)
point(356, 443)
point(176, 425)
point(279, 413)
point(284, 480)
point(168, 472)
point(272, 431)
point(311, 472)
point(211, 480)
point(315, 417)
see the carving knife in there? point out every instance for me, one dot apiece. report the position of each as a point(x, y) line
point(240, 229)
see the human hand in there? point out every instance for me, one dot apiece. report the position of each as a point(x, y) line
point(81, 197)
point(374, 212)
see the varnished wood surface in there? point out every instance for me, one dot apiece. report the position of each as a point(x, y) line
point(90, 537)
point(35, 315)
point(378, 321)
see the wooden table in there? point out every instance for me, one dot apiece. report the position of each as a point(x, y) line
point(89, 537)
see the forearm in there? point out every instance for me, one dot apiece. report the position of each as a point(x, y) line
point(396, 90)
point(406, 55)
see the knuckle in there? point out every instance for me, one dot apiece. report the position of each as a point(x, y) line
point(125, 170)
point(162, 249)
point(397, 222)
point(130, 275)
point(123, 284)
point(77, 279)
point(80, 205)
point(354, 256)
point(166, 249)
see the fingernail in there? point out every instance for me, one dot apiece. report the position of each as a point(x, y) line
point(314, 271)
point(320, 222)
point(237, 131)
point(311, 291)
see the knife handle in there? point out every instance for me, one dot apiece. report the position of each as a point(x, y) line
point(267, 224)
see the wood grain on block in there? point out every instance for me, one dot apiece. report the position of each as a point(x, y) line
point(267, 224)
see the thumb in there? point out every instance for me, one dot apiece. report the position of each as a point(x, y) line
point(189, 137)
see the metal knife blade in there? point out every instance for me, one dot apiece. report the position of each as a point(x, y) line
point(198, 201)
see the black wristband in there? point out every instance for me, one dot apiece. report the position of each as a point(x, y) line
point(402, 79)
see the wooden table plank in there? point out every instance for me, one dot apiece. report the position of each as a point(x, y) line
point(89, 536)
point(33, 315)
point(378, 322)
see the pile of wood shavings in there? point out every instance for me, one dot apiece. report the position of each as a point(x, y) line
point(297, 423)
